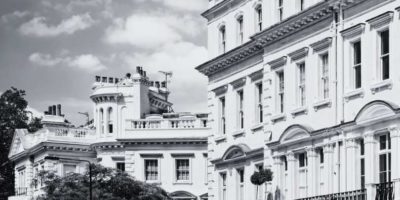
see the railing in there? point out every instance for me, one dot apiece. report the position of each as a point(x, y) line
point(350, 195)
point(384, 191)
point(166, 124)
point(70, 132)
point(21, 191)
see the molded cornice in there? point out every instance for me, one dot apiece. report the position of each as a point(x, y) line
point(256, 75)
point(298, 54)
point(220, 90)
point(278, 62)
point(353, 31)
point(322, 44)
point(381, 20)
point(238, 83)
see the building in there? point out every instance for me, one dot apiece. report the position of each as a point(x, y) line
point(134, 130)
point(308, 89)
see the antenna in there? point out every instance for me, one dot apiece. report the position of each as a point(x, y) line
point(87, 116)
point(166, 74)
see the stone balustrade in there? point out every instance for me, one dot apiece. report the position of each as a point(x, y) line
point(176, 123)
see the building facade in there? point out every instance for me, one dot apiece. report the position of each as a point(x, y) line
point(134, 130)
point(308, 89)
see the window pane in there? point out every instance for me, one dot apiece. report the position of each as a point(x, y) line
point(385, 67)
point(357, 71)
point(382, 142)
point(385, 42)
point(357, 52)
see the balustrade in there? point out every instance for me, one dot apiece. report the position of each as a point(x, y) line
point(21, 191)
point(350, 195)
point(167, 124)
point(384, 191)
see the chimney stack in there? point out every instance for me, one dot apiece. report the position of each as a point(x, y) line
point(97, 79)
point(104, 79)
point(128, 75)
point(54, 110)
point(50, 112)
point(138, 69)
point(144, 73)
point(163, 84)
point(152, 83)
point(59, 109)
point(116, 80)
point(157, 84)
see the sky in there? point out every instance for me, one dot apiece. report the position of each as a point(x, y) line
point(53, 49)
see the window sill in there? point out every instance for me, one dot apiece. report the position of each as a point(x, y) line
point(358, 93)
point(380, 86)
point(220, 138)
point(278, 117)
point(154, 182)
point(182, 183)
point(299, 111)
point(322, 103)
point(238, 133)
point(257, 127)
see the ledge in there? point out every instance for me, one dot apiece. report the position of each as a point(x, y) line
point(238, 133)
point(298, 54)
point(238, 83)
point(220, 138)
point(353, 31)
point(299, 111)
point(182, 183)
point(381, 20)
point(220, 90)
point(354, 94)
point(380, 86)
point(321, 45)
point(257, 127)
point(277, 62)
point(256, 75)
point(322, 103)
point(278, 117)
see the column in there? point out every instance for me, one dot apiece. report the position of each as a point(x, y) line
point(351, 163)
point(277, 181)
point(370, 164)
point(395, 145)
point(312, 172)
point(291, 175)
point(29, 177)
point(329, 173)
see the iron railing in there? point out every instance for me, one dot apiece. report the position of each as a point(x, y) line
point(21, 191)
point(384, 191)
point(350, 195)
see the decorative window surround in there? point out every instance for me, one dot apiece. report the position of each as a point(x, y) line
point(381, 20)
point(184, 155)
point(322, 103)
point(298, 54)
point(278, 117)
point(278, 62)
point(151, 155)
point(118, 158)
point(238, 133)
point(354, 94)
point(377, 87)
point(353, 31)
point(256, 75)
point(257, 127)
point(238, 83)
point(299, 111)
point(219, 139)
point(220, 90)
point(321, 45)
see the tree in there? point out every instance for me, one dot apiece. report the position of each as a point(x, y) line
point(13, 115)
point(107, 183)
point(260, 177)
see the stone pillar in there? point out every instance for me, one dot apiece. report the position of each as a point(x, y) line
point(395, 145)
point(291, 160)
point(312, 172)
point(329, 170)
point(29, 176)
point(370, 165)
point(278, 176)
point(130, 162)
point(351, 163)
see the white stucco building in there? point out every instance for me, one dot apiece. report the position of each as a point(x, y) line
point(134, 130)
point(309, 89)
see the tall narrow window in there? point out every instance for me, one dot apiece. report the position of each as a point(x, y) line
point(362, 163)
point(302, 174)
point(222, 39)
point(324, 71)
point(259, 110)
point(280, 10)
point(259, 18)
point(240, 173)
point(101, 120)
point(151, 169)
point(240, 109)
point(240, 29)
point(182, 169)
point(120, 166)
point(384, 36)
point(223, 185)
point(281, 91)
point(357, 64)
point(110, 120)
point(384, 158)
point(222, 115)
point(301, 5)
point(301, 84)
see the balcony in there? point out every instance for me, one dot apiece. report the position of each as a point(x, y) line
point(71, 132)
point(144, 124)
point(384, 191)
point(354, 195)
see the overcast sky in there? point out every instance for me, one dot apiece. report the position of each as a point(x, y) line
point(54, 48)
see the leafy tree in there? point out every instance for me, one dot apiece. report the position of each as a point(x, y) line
point(107, 183)
point(260, 177)
point(13, 115)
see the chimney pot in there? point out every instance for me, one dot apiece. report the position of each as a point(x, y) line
point(54, 110)
point(116, 80)
point(59, 109)
point(137, 69)
point(163, 84)
point(157, 84)
point(128, 75)
point(50, 112)
point(98, 79)
point(152, 83)
point(104, 79)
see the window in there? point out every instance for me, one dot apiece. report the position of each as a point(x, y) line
point(302, 160)
point(109, 121)
point(281, 91)
point(258, 18)
point(240, 173)
point(321, 155)
point(222, 115)
point(384, 55)
point(301, 5)
point(280, 10)
point(151, 169)
point(285, 163)
point(357, 64)
point(182, 169)
point(259, 109)
point(362, 163)
point(324, 75)
point(384, 158)
point(223, 185)
point(121, 166)
point(240, 109)
point(222, 39)
point(101, 121)
point(21, 179)
point(301, 84)
point(240, 36)
point(302, 175)
point(68, 169)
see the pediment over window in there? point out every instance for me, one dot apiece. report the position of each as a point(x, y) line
point(295, 132)
point(376, 109)
point(235, 151)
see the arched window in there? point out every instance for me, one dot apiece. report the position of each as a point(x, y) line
point(101, 121)
point(222, 39)
point(110, 120)
point(240, 35)
point(258, 12)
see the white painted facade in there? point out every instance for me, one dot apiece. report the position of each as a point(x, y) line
point(133, 131)
point(319, 123)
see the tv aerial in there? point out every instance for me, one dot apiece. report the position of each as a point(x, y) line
point(166, 74)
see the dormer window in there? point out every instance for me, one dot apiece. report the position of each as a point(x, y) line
point(222, 39)
point(258, 18)
point(240, 35)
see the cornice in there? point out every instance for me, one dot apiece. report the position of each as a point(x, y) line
point(238, 83)
point(111, 97)
point(398, 9)
point(277, 62)
point(259, 152)
point(298, 54)
point(381, 20)
point(256, 75)
point(353, 31)
point(220, 90)
point(220, 7)
point(322, 44)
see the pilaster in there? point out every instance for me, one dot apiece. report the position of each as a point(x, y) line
point(370, 166)
point(277, 181)
point(291, 160)
point(130, 162)
point(395, 145)
point(29, 177)
point(351, 163)
point(329, 170)
point(312, 170)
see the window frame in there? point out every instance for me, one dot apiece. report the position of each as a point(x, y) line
point(222, 115)
point(117, 164)
point(158, 179)
point(240, 180)
point(280, 91)
point(189, 180)
point(301, 84)
point(324, 87)
point(240, 108)
point(240, 29)
point(223, 185)
point(280, 8)
point(387, 153)
point(258, 17)
point(382, 55)
point(259, 102)
point(222, 39)
point(356, 66)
